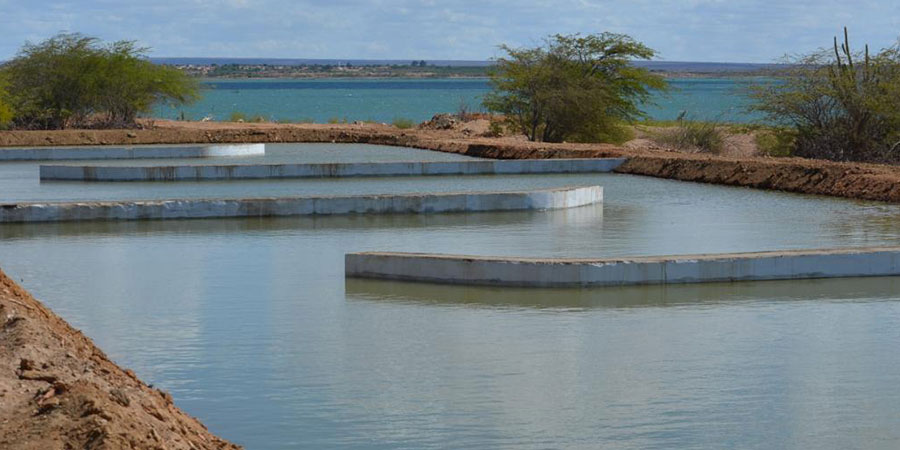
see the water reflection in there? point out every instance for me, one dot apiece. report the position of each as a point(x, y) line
point(837, 289)
point(251, 325)
point(559, 220)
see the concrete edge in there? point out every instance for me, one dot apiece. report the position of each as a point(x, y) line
point(200, 172)
point(554, 198)
point(129, 152)
point(676, 269)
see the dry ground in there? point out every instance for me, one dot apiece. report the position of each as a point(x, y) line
point(59, 391)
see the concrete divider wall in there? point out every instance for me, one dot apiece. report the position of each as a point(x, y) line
point(257, 171)
point(288, 206)
point(136, 152)
point(455, 269)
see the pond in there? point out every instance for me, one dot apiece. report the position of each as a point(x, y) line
point(251, 326)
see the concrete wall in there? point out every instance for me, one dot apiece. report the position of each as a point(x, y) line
point(289, 206)
point(135, 152)
point(454, 269)
point(255, 171)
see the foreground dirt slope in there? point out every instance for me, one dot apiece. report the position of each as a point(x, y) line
point(59, 391)
point(851, 180)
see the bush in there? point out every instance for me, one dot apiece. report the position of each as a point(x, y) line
point(463, 111)
point(776, 141)
point(496, 128)
point(6, 109)
point(573, 88)
point(692, 135)
point(301, 120)
point(74, 80)
point(403, 123)
point(841, 105)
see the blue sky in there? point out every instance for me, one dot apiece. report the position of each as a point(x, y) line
point(683, 30)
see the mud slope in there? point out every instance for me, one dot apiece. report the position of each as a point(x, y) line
point(59, 391)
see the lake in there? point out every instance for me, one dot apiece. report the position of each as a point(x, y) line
point(383, 100)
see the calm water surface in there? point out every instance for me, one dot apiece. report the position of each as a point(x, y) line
point(250, 324)
point(384, 100)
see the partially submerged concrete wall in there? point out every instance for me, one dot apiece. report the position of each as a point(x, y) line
point(373, 169)
point(778, 265)
point(131, 152)
point(289, 206)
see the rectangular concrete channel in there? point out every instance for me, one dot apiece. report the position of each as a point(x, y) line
point(129, 152)
point(566, 197)
point(372, 169)
point(532, 272)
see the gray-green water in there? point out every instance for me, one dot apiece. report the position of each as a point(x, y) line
point(250, 324)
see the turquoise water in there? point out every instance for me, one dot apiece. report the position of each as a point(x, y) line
point(250, 324)
point(383, 100)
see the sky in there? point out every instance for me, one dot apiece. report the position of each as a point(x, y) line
point(757, 31)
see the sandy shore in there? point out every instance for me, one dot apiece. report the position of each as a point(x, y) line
point(58, 390)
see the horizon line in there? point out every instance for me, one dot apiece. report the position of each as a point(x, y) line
point(384, 60)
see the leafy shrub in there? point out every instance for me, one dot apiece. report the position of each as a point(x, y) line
point(691, 135)
point(74, 80)
point(336, 120)
point(238, 116)
point(841, 105)
point(463, 111)
point(403, 123)
point(776, 141)
point(574, 88)
point(496, 128)
point(6, 109)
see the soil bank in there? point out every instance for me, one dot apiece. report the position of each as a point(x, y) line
point(59, 391)
point(850, 180)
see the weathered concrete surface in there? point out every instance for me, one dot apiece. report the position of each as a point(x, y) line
point(131, 152)
point(567, 197)
point(374, 169)
point(477, 270)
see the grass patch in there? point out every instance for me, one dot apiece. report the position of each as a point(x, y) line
point(303, 120)
point(403, 123)
point(685, 134)
point(776, 141)
point(238, 116)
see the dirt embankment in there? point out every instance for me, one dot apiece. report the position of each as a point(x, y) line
point(59, 391)
point(851, 180)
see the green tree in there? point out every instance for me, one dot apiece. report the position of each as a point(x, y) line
point(574, 88)
point(71, 79)
point(838, 104)
point(6, 109)
point(130, 84)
